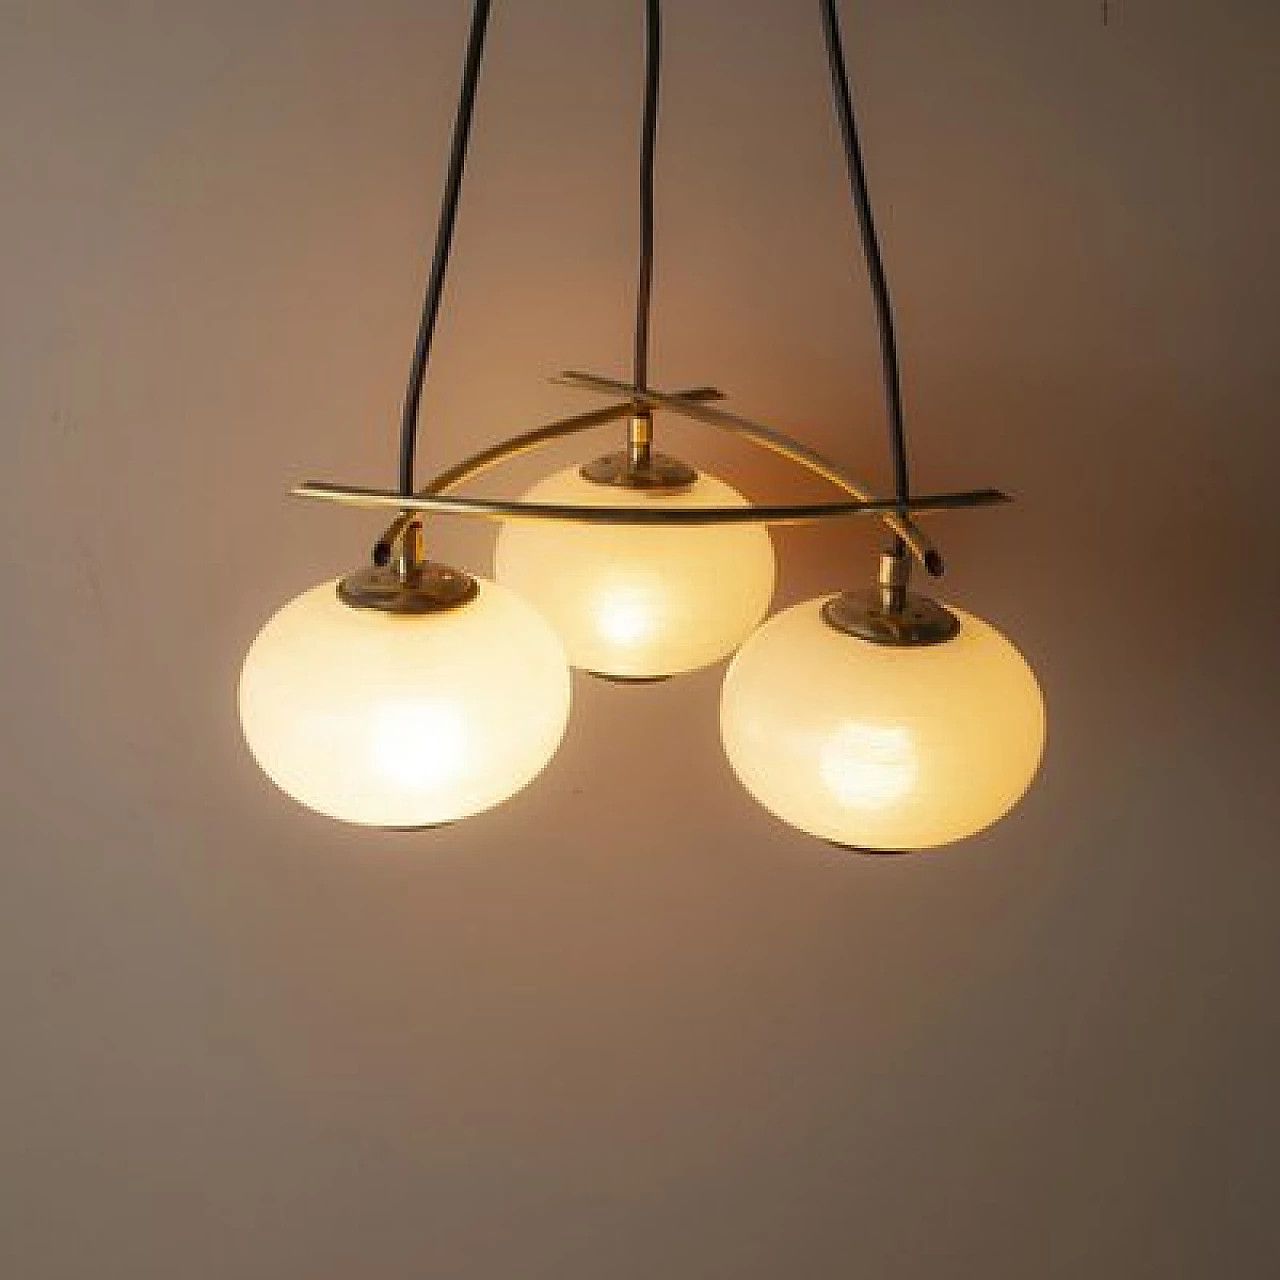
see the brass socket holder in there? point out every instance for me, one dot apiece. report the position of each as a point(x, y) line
point(889, 614)
point(409, 583)
point(638, 466)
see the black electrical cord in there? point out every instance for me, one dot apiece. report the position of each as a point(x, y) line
point(444, 239)
point(648, 140)
point(875, 265)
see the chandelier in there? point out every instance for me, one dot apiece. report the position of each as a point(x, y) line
point(410, 694)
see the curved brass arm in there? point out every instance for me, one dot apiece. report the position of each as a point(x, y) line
point(508, 509)
point(448, 480)
point(776, 442)
point(486, 458)
point(690, 404)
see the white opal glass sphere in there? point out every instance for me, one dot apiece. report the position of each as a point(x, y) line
point(877, 747)
point(640, 602)
point(404, 721)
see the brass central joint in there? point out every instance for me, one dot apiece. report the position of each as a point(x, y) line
point(893, 577)
point(640, 441)
point(411, 554)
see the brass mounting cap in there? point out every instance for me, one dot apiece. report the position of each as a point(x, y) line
point(413, 590)
point(918, 621)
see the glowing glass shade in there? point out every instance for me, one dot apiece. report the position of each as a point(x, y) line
point(404, 721)
point(879, 747)
point(640, 602)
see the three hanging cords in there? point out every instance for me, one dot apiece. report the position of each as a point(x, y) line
point(409, 423)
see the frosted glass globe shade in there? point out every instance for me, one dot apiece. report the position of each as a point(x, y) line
point(877, 747)
point(640, 602)
point(404, 721)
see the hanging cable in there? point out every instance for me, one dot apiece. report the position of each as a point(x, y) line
point(648, 140)
point(444, 239)
point(875, 265)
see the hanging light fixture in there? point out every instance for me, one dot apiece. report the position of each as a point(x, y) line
point(411, 693)
point(880, 719)
point(408, 694)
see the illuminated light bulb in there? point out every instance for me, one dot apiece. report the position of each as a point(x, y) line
point(640, 602)
point(869, 766)
point(881, 747)
point(629, 613)
point(395, 720)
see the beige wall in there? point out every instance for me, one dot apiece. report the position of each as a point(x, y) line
point(585, 1036)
